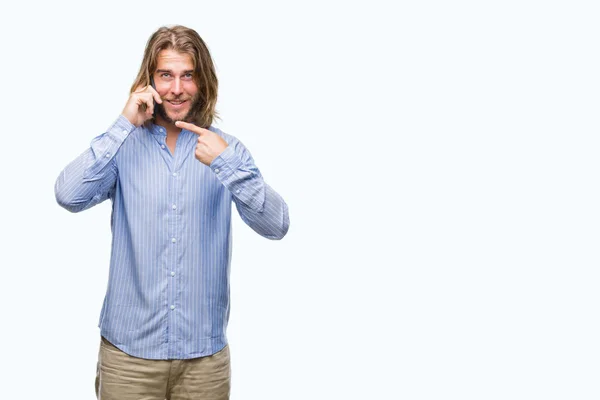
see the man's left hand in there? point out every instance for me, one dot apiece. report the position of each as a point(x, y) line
point(209, 146)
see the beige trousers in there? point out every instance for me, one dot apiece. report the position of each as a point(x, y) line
point(120, 376)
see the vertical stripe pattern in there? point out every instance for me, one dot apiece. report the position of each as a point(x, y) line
point(168, 285)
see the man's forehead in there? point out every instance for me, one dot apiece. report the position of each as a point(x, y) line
point(172, 57)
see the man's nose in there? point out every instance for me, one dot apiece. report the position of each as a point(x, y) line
point(176, 87)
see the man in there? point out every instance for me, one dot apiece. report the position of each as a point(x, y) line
point(171, 177)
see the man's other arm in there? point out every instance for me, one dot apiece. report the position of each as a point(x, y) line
point(259, 205)
point(91, 178)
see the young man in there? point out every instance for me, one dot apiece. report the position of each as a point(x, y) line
point(171, 177)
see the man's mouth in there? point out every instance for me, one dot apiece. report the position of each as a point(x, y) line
point(176, 102)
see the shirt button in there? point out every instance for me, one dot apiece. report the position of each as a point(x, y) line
point(162, 146)
point(172, 273)
point(107, 155)
point(172, 307)
point(216, 170)
point(174, 207)
point(124, 131)
point(174, 173)
point(173, 240)
point(237, 191)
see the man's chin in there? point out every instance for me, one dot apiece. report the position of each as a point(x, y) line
point(185, 117)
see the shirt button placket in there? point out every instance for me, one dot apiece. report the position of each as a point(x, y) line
point(175, 235)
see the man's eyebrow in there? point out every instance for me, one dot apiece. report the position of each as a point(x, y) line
point(190, 71)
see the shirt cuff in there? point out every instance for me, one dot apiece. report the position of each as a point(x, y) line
point(121, 128)
point(225, 164)
point(105, 146)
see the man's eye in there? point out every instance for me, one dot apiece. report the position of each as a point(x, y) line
point(165, 75)
point(188, 76)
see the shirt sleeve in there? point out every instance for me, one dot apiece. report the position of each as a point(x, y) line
point(259, 206)
point(91, 178)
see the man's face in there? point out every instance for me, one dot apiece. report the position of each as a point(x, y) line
point(174, 83)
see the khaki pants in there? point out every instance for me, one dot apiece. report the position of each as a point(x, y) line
point(120, 376)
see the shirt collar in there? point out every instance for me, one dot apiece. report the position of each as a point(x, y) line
point(157, 129)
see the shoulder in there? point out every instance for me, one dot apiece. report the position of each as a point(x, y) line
point(136, 136)
point(220, 132)
point(234, 143)
point(230, 139)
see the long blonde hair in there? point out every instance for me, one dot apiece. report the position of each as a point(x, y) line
point(187, 41)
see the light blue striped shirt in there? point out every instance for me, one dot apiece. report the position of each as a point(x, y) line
point(168, 285)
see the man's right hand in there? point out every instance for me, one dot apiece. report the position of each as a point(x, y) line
point(140, 106)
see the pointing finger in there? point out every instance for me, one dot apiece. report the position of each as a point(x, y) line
point(191, 127)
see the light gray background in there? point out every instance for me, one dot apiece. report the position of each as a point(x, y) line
point(439, 160)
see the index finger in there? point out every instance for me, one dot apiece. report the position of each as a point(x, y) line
point(155, 94)
point(151, 90)
point(191, 127)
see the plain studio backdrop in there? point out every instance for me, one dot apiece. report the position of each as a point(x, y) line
point(439, 160)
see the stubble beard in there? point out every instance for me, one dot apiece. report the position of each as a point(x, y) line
point(189, 117)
